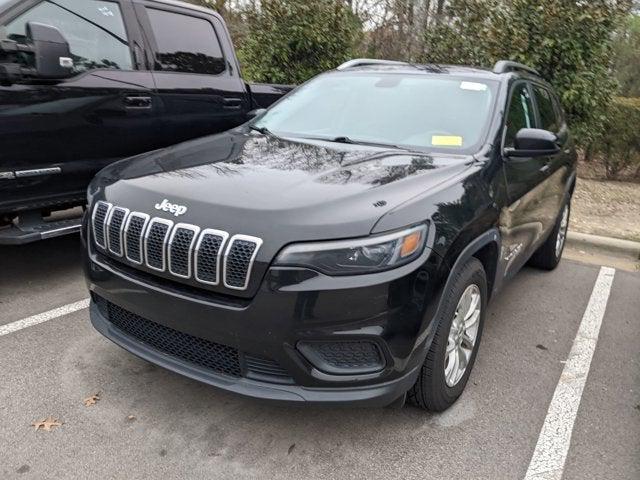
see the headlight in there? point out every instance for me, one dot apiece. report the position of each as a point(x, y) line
point(360, 255)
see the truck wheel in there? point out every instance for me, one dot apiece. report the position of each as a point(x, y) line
point(453, 351)
point(548, 256)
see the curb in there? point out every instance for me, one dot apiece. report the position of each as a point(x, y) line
point(627, 247)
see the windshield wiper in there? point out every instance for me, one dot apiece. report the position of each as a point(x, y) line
point(352, 141)
point(262, 130)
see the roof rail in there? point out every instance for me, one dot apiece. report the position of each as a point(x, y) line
point(504, 66)
point(361, 62)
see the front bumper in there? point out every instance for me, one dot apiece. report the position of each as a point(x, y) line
point(392, 310)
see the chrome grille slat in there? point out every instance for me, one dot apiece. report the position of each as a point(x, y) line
point(180, 249)
point(238, 261)
point(115, 225)
point(208, 256)
point(134, 231)
point(204, 256)
point(155, 243)
point(99, 221)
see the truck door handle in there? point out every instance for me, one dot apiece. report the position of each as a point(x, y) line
point(545, 168)
point(137, 102)
point(232, 103)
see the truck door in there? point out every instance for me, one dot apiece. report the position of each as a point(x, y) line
point(525, 221)
point(194, 69)
point(63, 132)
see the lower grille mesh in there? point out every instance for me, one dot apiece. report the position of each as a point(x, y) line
point(201, 352)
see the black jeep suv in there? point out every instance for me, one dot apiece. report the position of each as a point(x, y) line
point(342, 246)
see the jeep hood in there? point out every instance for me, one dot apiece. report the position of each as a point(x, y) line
point(281, 190)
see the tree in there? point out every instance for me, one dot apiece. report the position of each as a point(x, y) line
point(230, 11)
point(290, 41)
point(569, 42)
point(627, 57)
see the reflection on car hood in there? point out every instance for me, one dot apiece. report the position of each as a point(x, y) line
point(251, 183)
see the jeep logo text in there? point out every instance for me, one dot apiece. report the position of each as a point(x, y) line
point(174, 208)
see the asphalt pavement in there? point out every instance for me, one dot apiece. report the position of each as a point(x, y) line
point(151, 423)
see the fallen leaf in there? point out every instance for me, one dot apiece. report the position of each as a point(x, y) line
point(47, 424)
point(293, 445)
point(92, 400)
point(541, 347)
point(131, 418)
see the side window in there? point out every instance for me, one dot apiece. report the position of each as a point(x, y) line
point(520, 114)
point(548, 113)
point(185, 44)
point(94, 29)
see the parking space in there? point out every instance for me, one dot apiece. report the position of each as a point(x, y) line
point(152, 423)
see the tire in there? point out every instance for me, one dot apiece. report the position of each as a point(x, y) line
point(434, 390)
point(549, 254)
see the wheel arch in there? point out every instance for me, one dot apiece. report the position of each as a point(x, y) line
point(486, 248)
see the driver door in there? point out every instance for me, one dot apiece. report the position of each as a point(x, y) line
point(525, 221)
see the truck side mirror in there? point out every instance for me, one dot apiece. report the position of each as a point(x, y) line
point(51, 50)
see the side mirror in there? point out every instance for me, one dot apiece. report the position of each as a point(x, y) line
point(255, 113)
point(533, 142)
point(51, 50)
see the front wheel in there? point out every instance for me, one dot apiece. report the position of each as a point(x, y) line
point(455, 344)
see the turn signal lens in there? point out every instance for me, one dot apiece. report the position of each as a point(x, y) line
point(410, 244)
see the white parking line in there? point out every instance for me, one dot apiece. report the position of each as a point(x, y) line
point(43, 317)
point(552, 448)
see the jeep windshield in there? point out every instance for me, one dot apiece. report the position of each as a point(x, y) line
point(416, 112)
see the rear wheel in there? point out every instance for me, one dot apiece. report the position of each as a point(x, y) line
point(548, 256)
point(453, 351)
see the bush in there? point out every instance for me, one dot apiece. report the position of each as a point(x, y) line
point(568, 42)
point(620, 145)
point(291, 41)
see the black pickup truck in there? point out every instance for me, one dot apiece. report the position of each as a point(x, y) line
point(84, 83)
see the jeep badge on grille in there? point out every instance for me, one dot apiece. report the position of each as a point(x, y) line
point(174, 208)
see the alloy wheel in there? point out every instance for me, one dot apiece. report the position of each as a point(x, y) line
point(562, 231)
point(462, 335)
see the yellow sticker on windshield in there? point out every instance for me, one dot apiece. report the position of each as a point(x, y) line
point(446, 141)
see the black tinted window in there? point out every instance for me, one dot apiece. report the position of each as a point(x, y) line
point(94, 29)
point(548, 114)
point(520, 113)
point(185, 44)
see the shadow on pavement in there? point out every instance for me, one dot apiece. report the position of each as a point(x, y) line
point(42, 261)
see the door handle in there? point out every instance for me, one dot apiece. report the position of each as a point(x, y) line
point(137, 102)
point(546, 167)
point(232, 103)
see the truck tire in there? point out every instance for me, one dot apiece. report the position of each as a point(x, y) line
point(548, 255)
point(457, 338)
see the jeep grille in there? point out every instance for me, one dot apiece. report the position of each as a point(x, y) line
point(206, 256)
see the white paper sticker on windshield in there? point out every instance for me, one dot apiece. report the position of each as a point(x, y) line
point(476, 87)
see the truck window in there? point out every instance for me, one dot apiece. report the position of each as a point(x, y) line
point(185, 44)
point(520, 114)
point(548, 115)
point(94, 29)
